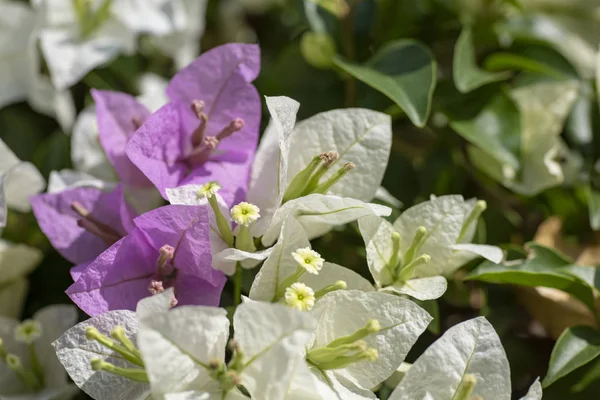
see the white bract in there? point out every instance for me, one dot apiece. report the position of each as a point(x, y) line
point(29, 367)
point(317, 213)
point(425, 243)
point(326, 147)
point(184, 351)
point(18, 181)
point(76, 349)
point(77, 36)
point(20, 77)
point(16, 262)
point(182, 42)
point(87, 153)
point(468, 360)
point(361, 339)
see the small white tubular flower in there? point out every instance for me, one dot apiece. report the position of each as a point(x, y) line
point(28, 331)
point(300, 297)
point(245, 213)
point(309, 259)
point(209, 189)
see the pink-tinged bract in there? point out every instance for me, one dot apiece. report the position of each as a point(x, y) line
point(162, 147)
point(59, 221)
point(119, 115)
point(121, 275)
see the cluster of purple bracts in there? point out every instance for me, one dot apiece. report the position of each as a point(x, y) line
point(207, 132)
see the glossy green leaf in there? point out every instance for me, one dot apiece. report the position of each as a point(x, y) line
point(544, 267)
point(532, 56)
point(403, 70)
point(493, 125)
point(576, 347)
point(467, 75)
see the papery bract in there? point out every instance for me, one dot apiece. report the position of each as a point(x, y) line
point(53, 321)
point(179, 346)
point(16, 262)
point(359, 137)
point(18, 181)
point(344, 312)
point(448, 225)
point(60, 222)
point(163, 147)
point(119, 115)
point(471, 348)
point(123, 274)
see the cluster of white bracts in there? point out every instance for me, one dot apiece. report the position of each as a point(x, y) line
point(76, 36)
point(309, 329)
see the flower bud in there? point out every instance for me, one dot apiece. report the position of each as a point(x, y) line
point(318, 49)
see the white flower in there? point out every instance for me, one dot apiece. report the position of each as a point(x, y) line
point(18, 181)
point(361, 339)
point(30, 366)
point(224, 257)
point(153, 91)
point(468, 354)
point(184, 350)
point(357, 137)
point(20, 77)
point(16, 262)
point(76, 352)
point(28, 331)
point(209, 189)
point(73, 45)
point(300, 297)
point(425, 243)
point(281, 264)
point(245, 213)
point(309, 259)
point(187, 21)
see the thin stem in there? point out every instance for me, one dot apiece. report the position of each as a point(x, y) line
point(237, 288)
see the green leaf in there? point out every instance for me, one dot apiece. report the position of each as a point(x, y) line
point(403, 70)
point(545, 267)
point(467, 75)
point(493, 124)
point(591, 376)
point(594, 208)
point(532, 56)
point(576, 347)
point(433, 308)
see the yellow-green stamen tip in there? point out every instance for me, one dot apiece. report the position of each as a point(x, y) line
point(481, 205)
point(245, 213)
point(300, 297)
point(371, 354)
point(28, 331)
point(373, 326)
point(208, 190)
point(309, 259)
point(91, 333)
